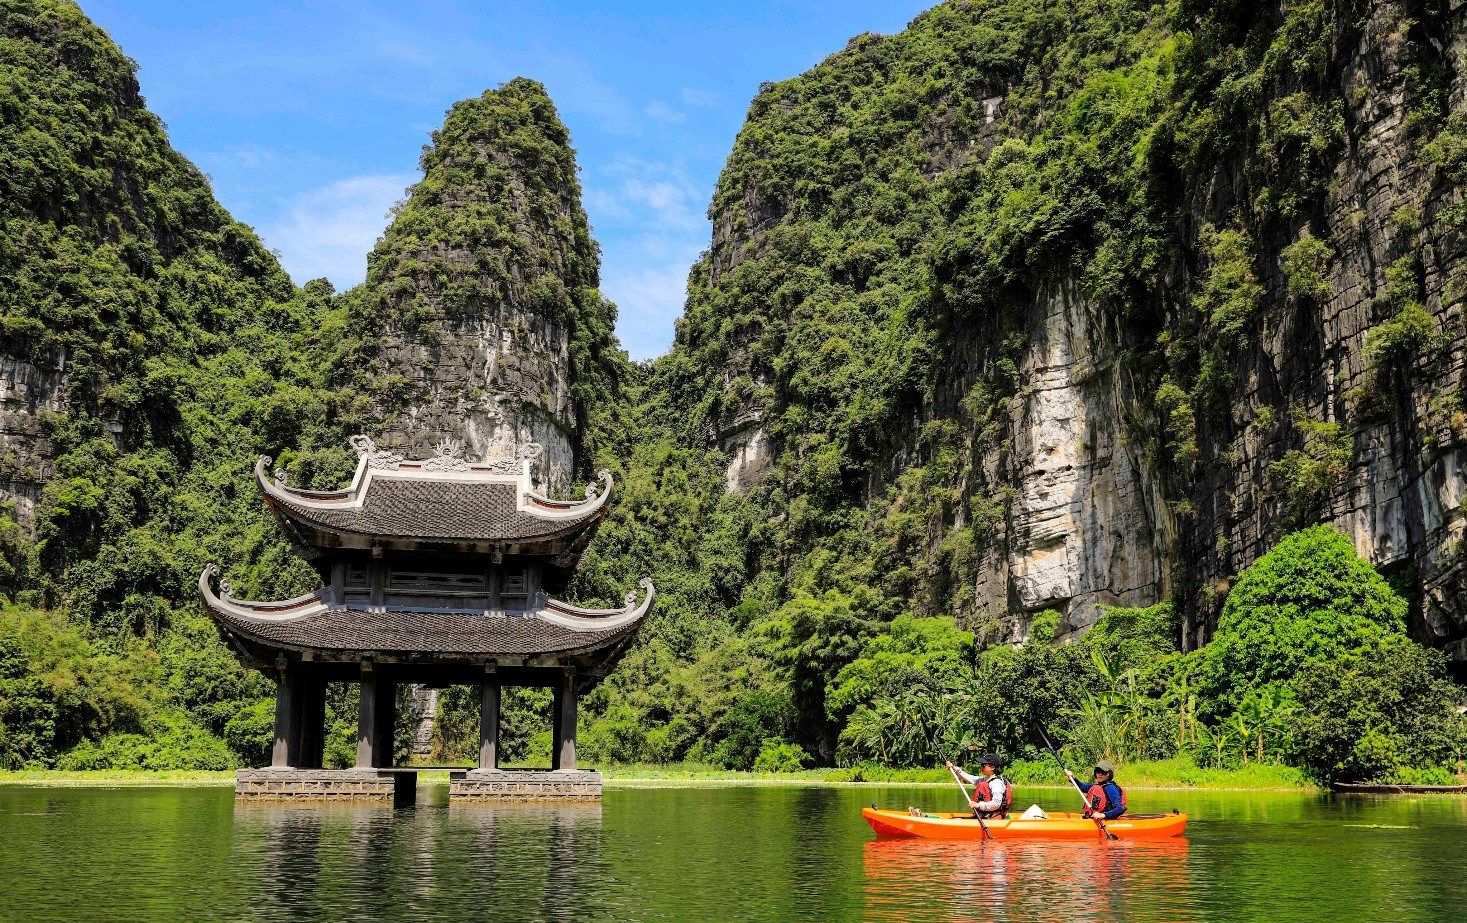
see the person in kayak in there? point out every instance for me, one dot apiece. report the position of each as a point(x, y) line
point(1105, 798)
point(992, 793)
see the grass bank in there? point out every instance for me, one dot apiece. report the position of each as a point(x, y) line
point(1163, 774)
point(111, 778)
point(1160, 774)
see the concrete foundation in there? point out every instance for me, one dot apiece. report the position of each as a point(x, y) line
point(275, 784)
point(525, 785)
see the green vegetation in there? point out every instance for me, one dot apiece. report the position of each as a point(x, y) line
point(887, 230)
point(1308, 473)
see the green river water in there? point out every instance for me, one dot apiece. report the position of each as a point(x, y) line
point(725, 853)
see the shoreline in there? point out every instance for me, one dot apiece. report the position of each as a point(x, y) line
point(644, 778)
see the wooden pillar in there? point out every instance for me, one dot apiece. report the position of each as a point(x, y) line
point(282, 754)
point(489, 724)
point(563, 753)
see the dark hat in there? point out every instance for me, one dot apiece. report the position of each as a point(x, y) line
point(1105, 767)
point(991, 759)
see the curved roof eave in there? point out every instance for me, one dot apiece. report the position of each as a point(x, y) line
point(313, 509)
point(248, 618)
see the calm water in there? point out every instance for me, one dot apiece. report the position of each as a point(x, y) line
point(712, 854)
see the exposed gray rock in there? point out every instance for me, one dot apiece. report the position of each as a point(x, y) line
point(27, 393)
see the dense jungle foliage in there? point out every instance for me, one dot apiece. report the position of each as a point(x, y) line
point(872, 215)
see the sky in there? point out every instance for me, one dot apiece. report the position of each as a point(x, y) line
point(309, 117)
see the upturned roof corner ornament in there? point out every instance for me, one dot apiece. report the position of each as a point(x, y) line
point(448, 456)
point(282, 477)
point(380, 460)
point(212, 572)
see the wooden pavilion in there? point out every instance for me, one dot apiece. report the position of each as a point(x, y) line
point(435, 572)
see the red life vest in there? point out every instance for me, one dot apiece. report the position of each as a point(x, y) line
point(1099, 803)
point(983, 793)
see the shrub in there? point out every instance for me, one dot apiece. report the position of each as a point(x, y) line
point(179, 744)
point(754, 718)
point(777, 755)
point(251, 732)
point(1311, 599)
point(1378, 714)
point(1309, 472)
point(1306, 268)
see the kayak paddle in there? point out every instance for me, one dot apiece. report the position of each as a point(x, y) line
point(1095, 817)
point(964, 789)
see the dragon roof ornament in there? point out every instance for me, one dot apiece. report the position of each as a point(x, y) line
point(379, 460)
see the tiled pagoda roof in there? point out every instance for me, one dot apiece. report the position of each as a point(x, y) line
point(441, 501)
point(309, 623)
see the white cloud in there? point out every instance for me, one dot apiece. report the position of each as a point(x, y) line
point(328, 231)
point(649, 218)
point(662, 112)
point(247, 155)
point(648, 300)
point(695, 97)
point(645, 196)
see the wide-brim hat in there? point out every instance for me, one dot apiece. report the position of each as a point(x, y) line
point(1105, 766)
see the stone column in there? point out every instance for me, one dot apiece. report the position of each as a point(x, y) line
point(367, 718)
point(563, 753)
point(489, 724)
point(384, 714)
point(282, 754)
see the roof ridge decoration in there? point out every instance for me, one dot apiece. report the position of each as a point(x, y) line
point(514, 464)
point(447, 456)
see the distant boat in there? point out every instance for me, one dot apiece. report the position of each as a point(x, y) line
point(1378, 788)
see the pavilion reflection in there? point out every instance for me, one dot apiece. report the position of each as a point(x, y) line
point(478, 861)
point(919, 879)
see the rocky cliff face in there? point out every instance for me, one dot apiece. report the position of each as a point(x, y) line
point(1388, 211)
point(29, 392)
point(115, 261)
point(481, 297)
point(1087, 525)
point(1146, 373)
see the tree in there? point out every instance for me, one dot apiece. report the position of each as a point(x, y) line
point(1311, 599)
point(1385, 709)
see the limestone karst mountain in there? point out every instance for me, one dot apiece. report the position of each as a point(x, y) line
point(1094, 302)
point(115, 258)
point(1030, 308)
point(481, 318)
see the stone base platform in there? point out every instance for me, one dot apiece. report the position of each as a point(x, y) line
point(390, 786)
point(502, 785)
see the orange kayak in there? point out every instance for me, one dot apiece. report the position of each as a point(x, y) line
point(1058, 826)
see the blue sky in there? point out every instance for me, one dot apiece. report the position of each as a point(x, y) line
point(309, 117)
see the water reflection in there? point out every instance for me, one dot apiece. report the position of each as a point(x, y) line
point(913, 879)
point(483, 862)
point(747, 854)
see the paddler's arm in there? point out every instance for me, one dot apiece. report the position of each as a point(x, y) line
point(1091, 802)
point(971, 780)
